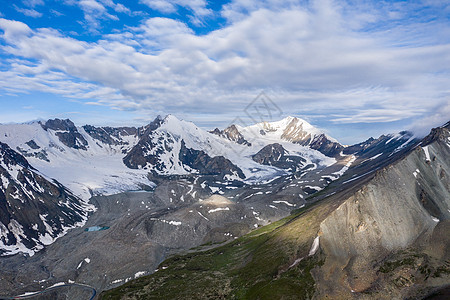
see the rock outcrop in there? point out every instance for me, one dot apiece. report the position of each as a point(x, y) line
point(399, 209)
point(33, 210)
point(67, 133)
point(232, 133)
point(204, 164)
point(275, 155)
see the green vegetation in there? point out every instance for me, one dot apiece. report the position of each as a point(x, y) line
point(390, 266)
point(426, 267)
point(442, 270)
point(258, 265)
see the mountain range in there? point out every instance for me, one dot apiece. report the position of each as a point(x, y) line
point(180, 186)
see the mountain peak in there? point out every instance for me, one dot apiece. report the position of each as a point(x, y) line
point(288, 120)
point(59, 124)
point(294, 130)
point(171, 119)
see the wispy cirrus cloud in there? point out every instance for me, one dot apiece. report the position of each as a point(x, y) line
point(33, 3)
point(96, 11)
point(28, 12)
point(198, 8)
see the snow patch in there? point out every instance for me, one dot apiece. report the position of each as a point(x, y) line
point(139, 274)
point(345, 168)
point(314, 247)
point(427, 153)
point(284, 202)
point(218, 209)
point(174, 223)
point(435, 219)
point(203, 216)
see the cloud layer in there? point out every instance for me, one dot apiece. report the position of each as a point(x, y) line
point(361, 62)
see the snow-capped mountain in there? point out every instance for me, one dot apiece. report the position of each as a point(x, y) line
point(34, 211)
point(87, 160)
point(161, 149)
point(295, 131)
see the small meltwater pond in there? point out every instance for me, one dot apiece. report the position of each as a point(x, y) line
point(96, 228)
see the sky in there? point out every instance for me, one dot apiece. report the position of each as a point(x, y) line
point(353, 68)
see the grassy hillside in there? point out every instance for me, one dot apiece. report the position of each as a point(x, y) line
point(255, 266)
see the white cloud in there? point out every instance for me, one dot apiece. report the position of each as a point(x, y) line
point(439, 116)
point(197, 7)
point(96, 11)
point(14, 29)
point(28, 12)
point(56, 13)
point(160, 5)
point(33, 3)
point(120, 8)
point(325, 57)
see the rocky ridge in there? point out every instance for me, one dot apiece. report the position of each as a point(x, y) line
point(34, 211)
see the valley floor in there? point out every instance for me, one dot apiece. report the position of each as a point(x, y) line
point(101, 259)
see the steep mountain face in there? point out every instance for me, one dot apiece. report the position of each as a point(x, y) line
point(33, 211)
point(270, 154)
point(231, 133)
point(67, 133)
point(322, 144)
point(405, 206)
point(113, 136)
point(201, 162)
point(384, 236)
point(152, 150)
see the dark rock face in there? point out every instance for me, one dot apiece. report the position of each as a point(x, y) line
point(231, 133)
point(325, 146)
point(33, 211)
point(206, 165)
point(270, 154)
point(111, 135)
point(42, 154)
point(275, 155)
point(439, 133)
point(138, 156)
point(11, 157)
point(147, 150)
point(67, 133)
point(322, 144)
point(32, 144)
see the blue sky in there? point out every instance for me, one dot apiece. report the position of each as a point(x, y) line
point(354, 68)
